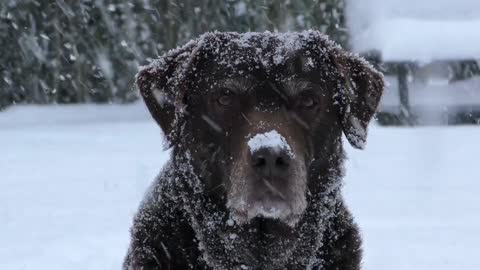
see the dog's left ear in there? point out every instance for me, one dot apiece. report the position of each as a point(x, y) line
point(360, 90)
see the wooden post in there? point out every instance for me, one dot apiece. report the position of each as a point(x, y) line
point(405, 109)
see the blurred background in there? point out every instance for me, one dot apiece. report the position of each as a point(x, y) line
point(78, 149)
point(88, 51)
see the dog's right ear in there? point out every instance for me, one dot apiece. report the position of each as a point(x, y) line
point(152, 83)
point(160, 86)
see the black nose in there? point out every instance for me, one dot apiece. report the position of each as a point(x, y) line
point(271, 162)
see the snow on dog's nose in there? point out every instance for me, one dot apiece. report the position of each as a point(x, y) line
point(270, 155)
point(272, 140)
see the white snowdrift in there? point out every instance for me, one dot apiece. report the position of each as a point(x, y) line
point(421, 40)
point(424, 30)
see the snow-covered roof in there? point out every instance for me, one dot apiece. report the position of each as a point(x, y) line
point(423, 30)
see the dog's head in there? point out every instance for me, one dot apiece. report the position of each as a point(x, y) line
point(261, 114)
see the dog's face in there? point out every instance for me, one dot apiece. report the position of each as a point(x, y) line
point(260, 135)
point(260, 127)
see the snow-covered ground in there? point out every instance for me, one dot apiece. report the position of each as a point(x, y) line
point(72, 177)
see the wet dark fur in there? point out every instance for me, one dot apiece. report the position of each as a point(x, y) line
point(183, 223)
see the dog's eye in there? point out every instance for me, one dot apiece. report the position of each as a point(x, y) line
point(225, 99)
point(307, 102)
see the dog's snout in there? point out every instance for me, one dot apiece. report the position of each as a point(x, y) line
point(270, 162)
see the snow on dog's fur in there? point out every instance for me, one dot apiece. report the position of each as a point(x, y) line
point(255, 124)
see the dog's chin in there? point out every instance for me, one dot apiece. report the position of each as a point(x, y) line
point(266, 209)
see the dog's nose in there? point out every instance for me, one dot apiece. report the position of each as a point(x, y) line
point(271, 162)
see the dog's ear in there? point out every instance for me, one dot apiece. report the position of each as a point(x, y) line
point(160, 85)
point(360, 90)
point(151, 81)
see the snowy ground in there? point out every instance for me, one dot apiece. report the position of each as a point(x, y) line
point(72, 177)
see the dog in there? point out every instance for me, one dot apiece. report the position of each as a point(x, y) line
point(254, 122)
